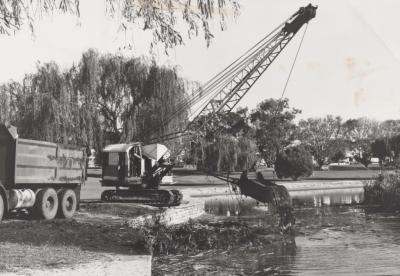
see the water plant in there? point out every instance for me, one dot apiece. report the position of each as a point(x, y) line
point(195, 236)
point(384, 191)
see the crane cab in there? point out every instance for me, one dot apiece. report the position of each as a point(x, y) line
point(125, 165)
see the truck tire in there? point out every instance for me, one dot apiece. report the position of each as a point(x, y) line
point(67, 203)
point(1, 207)
point(46, 204)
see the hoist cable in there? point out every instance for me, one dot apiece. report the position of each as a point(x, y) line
point(228, 73)
point(218, 87)
point(294, 62)
point(289, 76)
point(226, 76)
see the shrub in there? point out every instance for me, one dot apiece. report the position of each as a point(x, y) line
point(384, 191)
point(294, 162)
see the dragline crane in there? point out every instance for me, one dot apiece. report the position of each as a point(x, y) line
point(131, 166)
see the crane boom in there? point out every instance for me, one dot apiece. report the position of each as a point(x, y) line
point(236, 80)
point(236, 89)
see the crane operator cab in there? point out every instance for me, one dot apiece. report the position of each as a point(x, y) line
point(123, 165)
point(126, 165)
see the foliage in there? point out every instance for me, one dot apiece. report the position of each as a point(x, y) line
point(294, 162)
point(385, 191)
point(321, 136)
point(394, 144)
point(364, 158)
point(274, 126)
point(16, 13)
point(226, 153)
point(339, 155)
point(380, 148)
point(228, 143)
point(45, 106)
point(360, 131)
point(105, 99)
point(162, 18)
point(389, 128)
point(247, 154)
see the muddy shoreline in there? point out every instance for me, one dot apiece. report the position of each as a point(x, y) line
point(329, 240)
point(101, 232)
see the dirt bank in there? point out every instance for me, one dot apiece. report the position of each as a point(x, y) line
point(96, 236)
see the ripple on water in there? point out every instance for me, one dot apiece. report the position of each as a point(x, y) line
point(334, 238)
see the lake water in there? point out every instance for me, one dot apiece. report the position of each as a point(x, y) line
point(335, 236)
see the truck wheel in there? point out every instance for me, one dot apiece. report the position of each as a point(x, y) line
point(1, 207)
point(46, 204)
point(67, 203)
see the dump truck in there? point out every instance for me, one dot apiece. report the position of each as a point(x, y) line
point(42, 177)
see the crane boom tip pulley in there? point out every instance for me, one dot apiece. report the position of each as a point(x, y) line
point(301, 17)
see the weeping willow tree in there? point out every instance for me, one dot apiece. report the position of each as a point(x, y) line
point(226, 153)
point(228, 143)
point(166, 20)
point(9, 93)
point(46, 106)
point(103, 99)
point(133, 96)
point(162, 92)
point(247, 153)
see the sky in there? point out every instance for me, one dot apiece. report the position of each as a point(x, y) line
point(348, 65)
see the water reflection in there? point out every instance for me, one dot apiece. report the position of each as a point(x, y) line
point(345, 240)
point(319, 198)
point(234, 206)
point(335, 236)
point(231, 206)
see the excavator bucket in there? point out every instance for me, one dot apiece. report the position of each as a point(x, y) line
point(267, 191)
point(264, 190)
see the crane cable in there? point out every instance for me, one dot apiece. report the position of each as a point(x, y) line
point(215, 83)
point(230, 69)
point(275, 114)
point(294, 62)
point(213, 86)
point(279, 103)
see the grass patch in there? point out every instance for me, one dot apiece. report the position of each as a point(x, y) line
point(44, 244)
point(347, 167)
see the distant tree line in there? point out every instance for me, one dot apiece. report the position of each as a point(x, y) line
point(271, 128)
point(330, 137)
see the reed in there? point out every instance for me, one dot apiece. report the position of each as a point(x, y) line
point(384, 191)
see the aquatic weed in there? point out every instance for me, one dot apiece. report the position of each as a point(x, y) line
point(385, 191)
